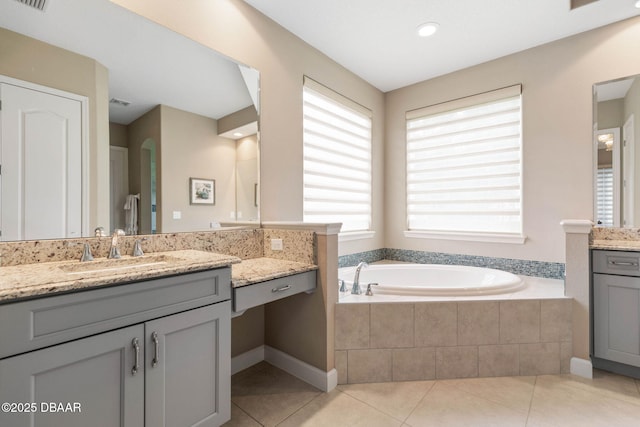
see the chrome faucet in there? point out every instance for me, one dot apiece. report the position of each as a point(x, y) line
point(137, 247)
point(114, 252)
point(356, 279)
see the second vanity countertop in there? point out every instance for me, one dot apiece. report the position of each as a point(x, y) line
point(32, 280)
point(616, 245)
point(251, 271)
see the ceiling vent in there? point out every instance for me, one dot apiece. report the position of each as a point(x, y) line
point(118, 101)
point(579, 3)
point(37, 4)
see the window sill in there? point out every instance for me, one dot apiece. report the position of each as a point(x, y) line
point(516, 239)
point(355, 235)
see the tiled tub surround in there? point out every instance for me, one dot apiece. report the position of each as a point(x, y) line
point(551, 270)
point(405, 341)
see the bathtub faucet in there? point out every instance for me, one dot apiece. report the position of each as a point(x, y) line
point(356, 279)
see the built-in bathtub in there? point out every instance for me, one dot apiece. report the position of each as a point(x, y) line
point(410, 333)
point(433, 280)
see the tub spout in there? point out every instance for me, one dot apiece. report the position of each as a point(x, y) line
point(356, 279)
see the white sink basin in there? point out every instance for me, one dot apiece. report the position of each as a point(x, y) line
point(117, 265)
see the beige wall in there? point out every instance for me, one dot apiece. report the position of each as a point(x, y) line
point(237, 119)
point(191, 148)
point(145, 127)
point(235, 29)
point(118, 135)
point(247, 169)
point(557, 81)
point(36, 62)
point(610, 114)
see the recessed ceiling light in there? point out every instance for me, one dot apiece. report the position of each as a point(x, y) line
point(237, 134)
point(638, 4)
point(428, 29)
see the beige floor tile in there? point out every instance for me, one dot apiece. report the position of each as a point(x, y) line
point(338, 409)
point(513, 392)
point(264, 378)
point(603, 383)
point(397, 399)
point(239, 418)
point(268, 394)
point(446, 405)
point(566, 401)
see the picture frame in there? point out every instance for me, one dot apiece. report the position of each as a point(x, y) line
point(202, 191)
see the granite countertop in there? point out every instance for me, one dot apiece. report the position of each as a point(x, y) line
point(30, 280)
point(616, 245)
point(256, 270)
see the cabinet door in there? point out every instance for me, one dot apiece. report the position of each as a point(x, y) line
point(616, 318)
point(94, 373)
point(188, 363)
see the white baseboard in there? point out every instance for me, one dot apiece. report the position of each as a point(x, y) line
point(325, 381)
point(581, 367)
point(247, 359)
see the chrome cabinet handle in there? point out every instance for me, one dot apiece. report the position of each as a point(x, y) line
point(281, 288)
point(156, 354)
point(136, 349)
point(624, 263)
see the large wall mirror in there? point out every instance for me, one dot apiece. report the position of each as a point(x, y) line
point(617, 159)
point(154, 133)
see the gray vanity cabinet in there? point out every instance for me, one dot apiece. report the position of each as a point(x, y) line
point(94, 372)
point(616, 311)
point(170, 366)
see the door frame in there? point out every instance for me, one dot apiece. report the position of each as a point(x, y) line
point(84, 140)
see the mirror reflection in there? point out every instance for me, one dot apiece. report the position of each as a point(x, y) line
point(617, 188)
point(151, 109)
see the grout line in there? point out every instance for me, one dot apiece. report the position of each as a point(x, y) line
point(533, 392)
point(302, 407)
point(247, 414)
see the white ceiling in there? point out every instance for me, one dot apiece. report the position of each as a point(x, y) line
point(148, 64)
point(376, 39)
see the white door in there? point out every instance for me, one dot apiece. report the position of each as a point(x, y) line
point(628, 168)
point(41, 155)
point(119, 180)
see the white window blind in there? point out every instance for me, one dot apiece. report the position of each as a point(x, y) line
point(464, 165)
point(604, 196)
point(337, 159)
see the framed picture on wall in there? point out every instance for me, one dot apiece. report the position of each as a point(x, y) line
point(202, 191)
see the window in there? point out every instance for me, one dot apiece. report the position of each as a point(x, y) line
point(464, 165)
point(337, 159)
point(604, 196)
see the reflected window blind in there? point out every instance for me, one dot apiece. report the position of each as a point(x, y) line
point(337, 159)
point(464, 165)
point(604, 196)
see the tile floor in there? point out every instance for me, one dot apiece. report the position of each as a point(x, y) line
point(266, 396)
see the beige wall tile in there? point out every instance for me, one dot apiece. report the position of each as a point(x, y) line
point(413, 364)
point(555, 320)
point(341, 366)
point(566, 352)
point(478, 323)
point(519, 321)
point(456, 362)
point(498, 360)
point(369, 366)
point(391, 325)
point(436, 324)
point(351, 326)
point(539, 359)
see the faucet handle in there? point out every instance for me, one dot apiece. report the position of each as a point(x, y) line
point(137, 247)
point(369, 291)
point(343, 285)
point(86, 253)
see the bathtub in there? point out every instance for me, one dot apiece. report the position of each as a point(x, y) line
point(433, 280)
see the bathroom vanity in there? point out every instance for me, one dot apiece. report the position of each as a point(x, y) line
point(123, 354)
point(616, 311)
point(136, 341)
